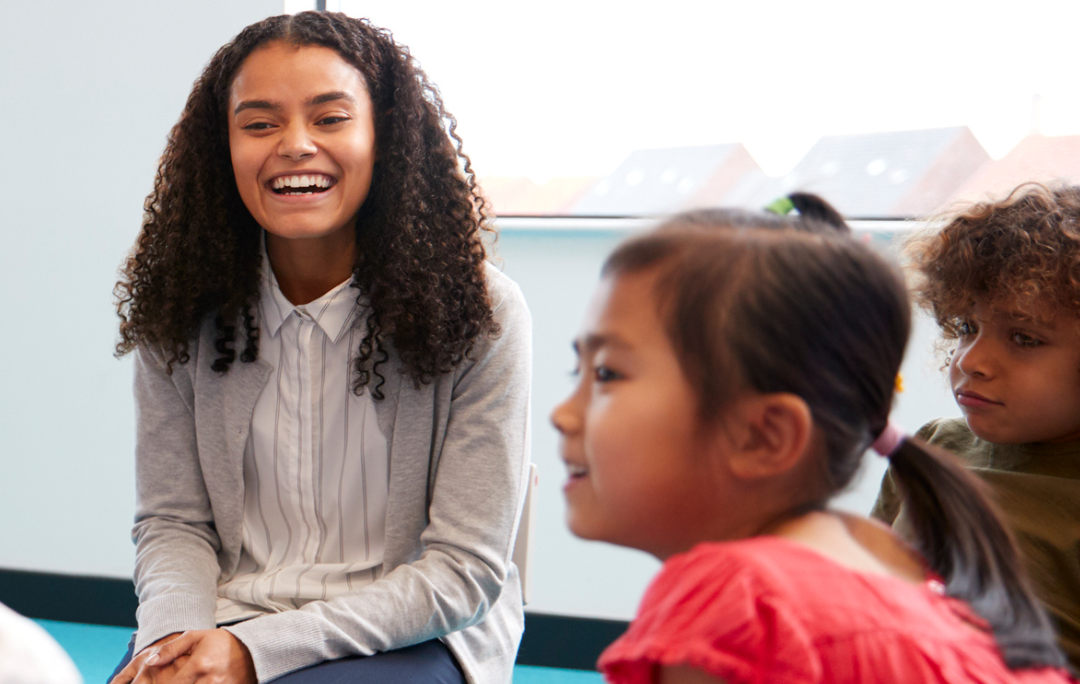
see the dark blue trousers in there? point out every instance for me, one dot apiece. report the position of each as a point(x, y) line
point(428, 663)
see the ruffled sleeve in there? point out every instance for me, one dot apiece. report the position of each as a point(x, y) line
point(712, 610)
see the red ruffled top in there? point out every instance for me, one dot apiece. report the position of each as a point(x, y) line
point(768, 609)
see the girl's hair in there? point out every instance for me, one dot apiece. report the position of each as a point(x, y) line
point(815, 216)
point(420, 256)
point(821, 316)
point(1023, 251)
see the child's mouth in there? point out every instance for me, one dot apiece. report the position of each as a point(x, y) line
point(576, 471)
point(305, 184)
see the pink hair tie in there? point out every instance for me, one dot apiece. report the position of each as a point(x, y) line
point(889, 440)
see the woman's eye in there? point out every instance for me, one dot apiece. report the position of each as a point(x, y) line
point(331, 120)
point(257, 126)
point(965, 328)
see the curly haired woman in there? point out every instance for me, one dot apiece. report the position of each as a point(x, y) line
point(331, 382)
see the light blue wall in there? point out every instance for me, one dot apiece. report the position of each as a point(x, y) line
point(87, 94)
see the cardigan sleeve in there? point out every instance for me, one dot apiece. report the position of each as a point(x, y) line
point(176, 544)
point(479, 460)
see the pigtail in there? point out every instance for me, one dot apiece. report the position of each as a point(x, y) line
point(815, 215)
point(813, 208)
point(960, 534)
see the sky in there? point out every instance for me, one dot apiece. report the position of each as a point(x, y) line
point(570, 88)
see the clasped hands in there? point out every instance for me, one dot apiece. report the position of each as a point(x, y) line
point(208, 656)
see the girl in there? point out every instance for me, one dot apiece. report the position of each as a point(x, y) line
point(331, 383)
point(730, 382)
point(1000, 278)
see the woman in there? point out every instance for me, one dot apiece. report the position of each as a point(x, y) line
point(352, 485)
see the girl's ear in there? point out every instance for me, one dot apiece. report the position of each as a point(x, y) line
point(772, 434)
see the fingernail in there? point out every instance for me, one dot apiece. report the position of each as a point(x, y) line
point(152, 659)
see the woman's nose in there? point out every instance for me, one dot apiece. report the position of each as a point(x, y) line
point(296, 143)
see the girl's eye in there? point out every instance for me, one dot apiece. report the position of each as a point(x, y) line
point(1027, 341)
point(257, 126)
point(605, 374)
point(331, 120)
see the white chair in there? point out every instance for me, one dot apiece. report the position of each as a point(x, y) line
point(523, 544)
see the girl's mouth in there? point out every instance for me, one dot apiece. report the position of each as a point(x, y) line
point(301, 184)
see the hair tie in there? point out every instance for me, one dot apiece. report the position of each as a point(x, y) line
point(889, 440)
point(782, 206)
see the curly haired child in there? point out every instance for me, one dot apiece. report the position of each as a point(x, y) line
point(1002, 280)
point(730, 383)
point(332, 384)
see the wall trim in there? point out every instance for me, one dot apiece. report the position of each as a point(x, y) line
point(549, 640)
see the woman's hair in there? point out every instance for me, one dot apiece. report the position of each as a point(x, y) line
point(1023, 251)
point(821, 316)
point(420, 255)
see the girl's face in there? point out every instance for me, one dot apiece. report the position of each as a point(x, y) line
point(633, 445)
point(302, 139)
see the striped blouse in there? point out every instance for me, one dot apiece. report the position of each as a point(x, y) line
point(316, 471)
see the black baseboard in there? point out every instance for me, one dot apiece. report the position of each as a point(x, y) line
point(549, 640)
point(568, 642)
point(70, 598)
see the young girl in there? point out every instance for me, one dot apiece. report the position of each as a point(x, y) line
point(1001, 279)
point(332, 384)
point(730, 382)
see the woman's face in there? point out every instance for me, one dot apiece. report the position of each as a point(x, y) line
point(302, 140)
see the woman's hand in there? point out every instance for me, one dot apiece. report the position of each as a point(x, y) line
point(137, 665)
point(198, 657)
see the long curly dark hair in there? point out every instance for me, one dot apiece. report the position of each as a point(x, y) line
point(420, 254)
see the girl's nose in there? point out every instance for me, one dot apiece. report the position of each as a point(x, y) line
point(296, 143)
point(566, 417)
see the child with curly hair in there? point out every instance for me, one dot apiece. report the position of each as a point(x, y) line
point(730, 382)
point(1002, 280)
point(331, 381)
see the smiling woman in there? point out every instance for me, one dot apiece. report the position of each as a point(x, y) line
point(288, 104)
point(343, 501)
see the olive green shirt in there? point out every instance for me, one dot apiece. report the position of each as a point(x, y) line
point(1037, 487)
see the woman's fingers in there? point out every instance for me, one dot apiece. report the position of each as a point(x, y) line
point(183, 644)
point(137, 671)
point(217, 657)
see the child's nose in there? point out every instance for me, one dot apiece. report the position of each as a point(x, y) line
point(565, 416)
point(975, 359)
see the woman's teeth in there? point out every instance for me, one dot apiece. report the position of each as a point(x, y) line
point(297, 185)
point(576, 470)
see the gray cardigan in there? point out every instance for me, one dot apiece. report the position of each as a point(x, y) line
point(458, 450)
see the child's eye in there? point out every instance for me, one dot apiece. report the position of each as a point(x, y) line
point(604, 374)
point(1027, 341)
